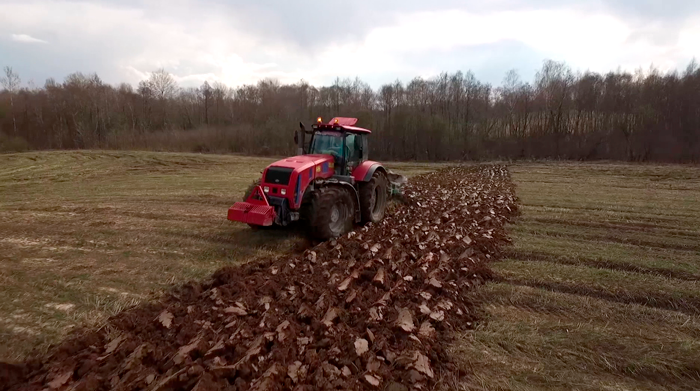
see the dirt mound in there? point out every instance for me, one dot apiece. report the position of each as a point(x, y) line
point(371, 310)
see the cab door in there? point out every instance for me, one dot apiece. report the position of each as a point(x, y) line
point(356, 151)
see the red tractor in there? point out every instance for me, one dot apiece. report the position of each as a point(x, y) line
point(329, 187)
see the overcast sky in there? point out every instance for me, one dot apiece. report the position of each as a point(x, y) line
point(243, 41)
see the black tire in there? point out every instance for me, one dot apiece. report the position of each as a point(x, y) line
point(373, 198)
point(306, 211)
point(330, 213)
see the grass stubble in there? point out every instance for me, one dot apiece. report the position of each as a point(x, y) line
point(600, 290)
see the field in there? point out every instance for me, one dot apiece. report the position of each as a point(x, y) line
point(87, 234)
point(601, 288)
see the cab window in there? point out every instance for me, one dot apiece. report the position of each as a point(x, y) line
point(327, 144)
point(354, 143)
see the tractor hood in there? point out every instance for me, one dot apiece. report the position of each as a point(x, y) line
point(303, 162)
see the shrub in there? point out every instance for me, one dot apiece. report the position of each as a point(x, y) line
point(13, 143)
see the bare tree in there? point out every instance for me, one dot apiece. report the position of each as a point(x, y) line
point(220, 93)
point(163, 86)
point(206, 92)
point(554, 82)
point(647, 115)
point(11, 83)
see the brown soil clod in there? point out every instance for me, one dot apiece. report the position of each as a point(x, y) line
point(303, 321)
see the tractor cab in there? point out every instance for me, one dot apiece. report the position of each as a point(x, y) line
point(339, 138)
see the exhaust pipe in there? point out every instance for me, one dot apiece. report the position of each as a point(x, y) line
point(299, 136)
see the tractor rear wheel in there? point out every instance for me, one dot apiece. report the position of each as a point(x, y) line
point(331, 212)
point(373, 198)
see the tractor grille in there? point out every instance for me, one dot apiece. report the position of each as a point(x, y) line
point(278, 176)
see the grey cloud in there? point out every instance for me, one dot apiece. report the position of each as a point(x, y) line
point(655, 10)
point(38, 64)
point(308, 24)
point(656, 21)
point(305, 27)
point(489, 63)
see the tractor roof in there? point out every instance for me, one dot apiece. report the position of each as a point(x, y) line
point(341, 123)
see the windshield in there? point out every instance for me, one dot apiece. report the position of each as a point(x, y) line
point(327, 144)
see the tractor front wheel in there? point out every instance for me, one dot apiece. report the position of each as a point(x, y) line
point(373, 198)
point(332, 212)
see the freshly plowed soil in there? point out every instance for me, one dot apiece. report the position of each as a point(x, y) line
point(371, 310)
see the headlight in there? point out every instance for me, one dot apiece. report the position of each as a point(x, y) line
point(284, 191)
point(266, 189)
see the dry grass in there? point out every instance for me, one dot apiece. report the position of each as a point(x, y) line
point(87, 234)
point(601, 289)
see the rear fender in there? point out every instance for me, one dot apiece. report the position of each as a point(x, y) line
point(365, 171)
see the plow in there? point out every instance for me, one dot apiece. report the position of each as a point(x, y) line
point(330, 186)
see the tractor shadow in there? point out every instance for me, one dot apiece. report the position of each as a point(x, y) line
point(237, 244)
point(246, 242)
point(231, 243)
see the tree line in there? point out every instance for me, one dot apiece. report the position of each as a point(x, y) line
point(640, 116)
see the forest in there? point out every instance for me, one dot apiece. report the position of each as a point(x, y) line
point(645, 115)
